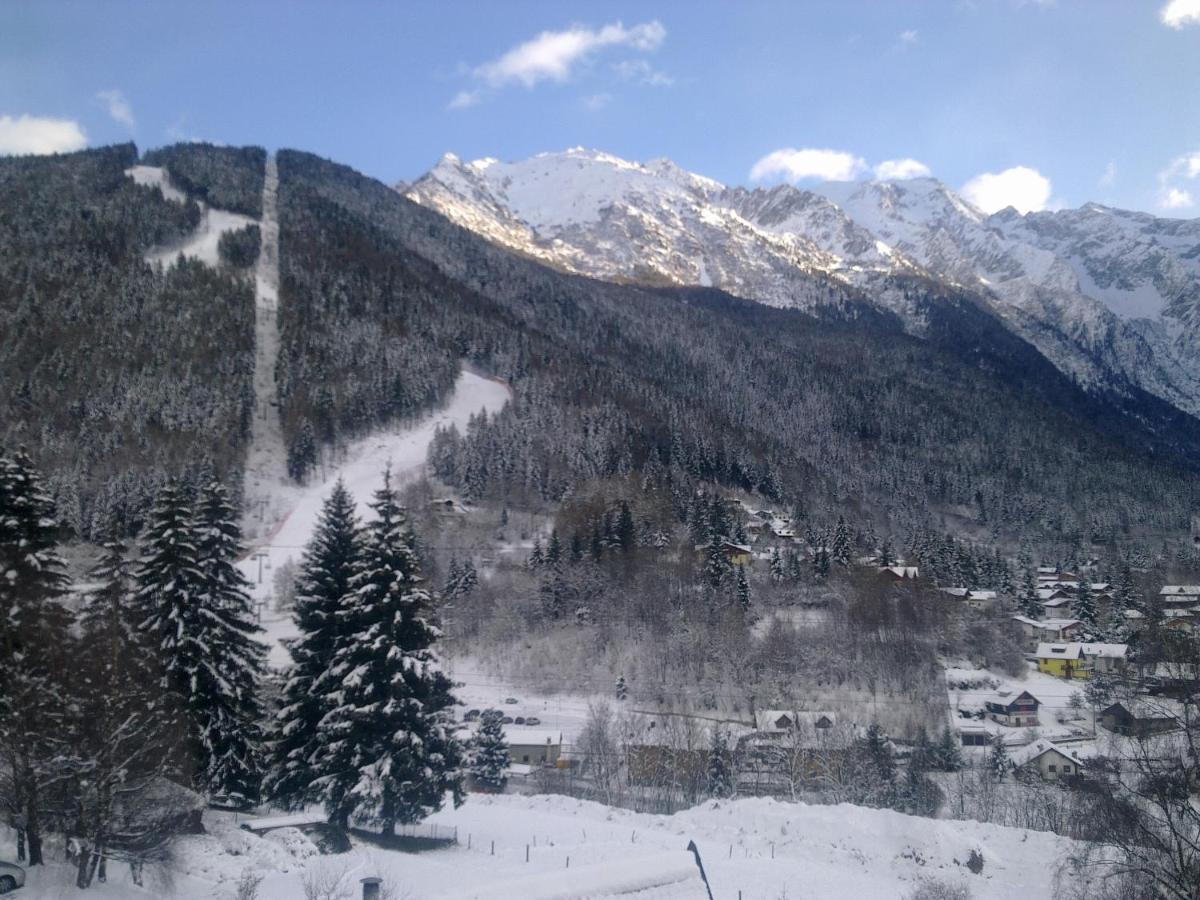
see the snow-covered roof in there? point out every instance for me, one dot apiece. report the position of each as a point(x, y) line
point(1058, 651)
point(1105, 651)
point(1191, 590)
point(526, 735)
point(766, 719)
point(1027, 754)
point(901, 571)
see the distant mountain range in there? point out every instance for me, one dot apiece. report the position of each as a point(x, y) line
point(1111, 297)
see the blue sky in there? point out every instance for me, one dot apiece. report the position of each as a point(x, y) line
point(1059, 102)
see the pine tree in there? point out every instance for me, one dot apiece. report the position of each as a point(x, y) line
point(820, 562)
point(322, 593)
point(468, 578)
point(743, 588)
point(720, 773)
point(452, 575)
point(196, 616)
point(776, 565)
point(949, 756)
point(489, 751)
point(622, 690)
point(554, 550)
point(717, 567)
point(1085, 610)
point(229, 725)
point(389, 753)
point(839, 551)
point(887, 555)
point(1028, 602)
point(626, 532)
point(536, 558)
point(35, 644)
point(998, 762)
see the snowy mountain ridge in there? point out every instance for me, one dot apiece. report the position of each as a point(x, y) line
point(1110, 296)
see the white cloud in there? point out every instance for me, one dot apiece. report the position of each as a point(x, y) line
point(1025, 189)
point(641, 71)
point(899, 169)
point(1178, 13)
point(909, 37)
point(463, 99)
point(1176, 198)
point(795, 165)
point(1173, 194)
point(552, 54)
point(1109, 177)
point(118, 107)
point(39, 135)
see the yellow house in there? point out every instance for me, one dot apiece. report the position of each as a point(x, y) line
point(1061, 660)
point(738, 554)
point(1075, 660)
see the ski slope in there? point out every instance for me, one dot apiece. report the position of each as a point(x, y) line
point(280, 530)
point(763, 848)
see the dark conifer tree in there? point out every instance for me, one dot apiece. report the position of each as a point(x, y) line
point(35, 644)
point(322, 596)
point(720, 770)
point(389, 753)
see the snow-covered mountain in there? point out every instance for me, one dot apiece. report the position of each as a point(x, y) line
point(1111, 297)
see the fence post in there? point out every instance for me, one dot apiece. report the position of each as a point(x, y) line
point(493, 848)
point(772, 849)
point(568, 862)
point(468, 840)
point(526, 853)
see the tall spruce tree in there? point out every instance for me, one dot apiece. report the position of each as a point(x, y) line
point(196, 615)
point(322, 595)
point(35, 645)
point(230, 730)
point(388, 754)
point(489, 751)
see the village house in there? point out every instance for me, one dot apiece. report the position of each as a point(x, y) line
point(1059, 607)
point(1013, 709)
point(899, 573)
point(1180, 594)
point(533, 746)
point(1076, 660)
point(1047, 759)
point(1141, 718)
point(784, 721)
point(976, 599)
point(1036, 631)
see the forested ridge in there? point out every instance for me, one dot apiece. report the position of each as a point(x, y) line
point(607, 377)
point(114, 373)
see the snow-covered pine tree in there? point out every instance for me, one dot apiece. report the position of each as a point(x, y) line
point(536, 557)
point(1085, 610)
point(230, 732)
point(840, 549)
point(776, 565)
point(717, 567)
point(450, 589)
point(388, 753)
point(322, 593)
point(489, 751)
point(948, 754)
point(720, 770)
point(1028, 602)
point(998, 761)
point(35, 644)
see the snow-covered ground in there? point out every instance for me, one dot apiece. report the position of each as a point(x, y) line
point(288, 520)
point(266, 468)
point(1054, 695)
point(763, 848)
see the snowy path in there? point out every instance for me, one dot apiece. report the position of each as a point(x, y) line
point(298, 506)
point(201, 244)
point(266, 468)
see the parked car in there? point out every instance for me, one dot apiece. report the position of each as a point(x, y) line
point(519, 720)
point(471, 716)
point(533, 720)
point(511, 701)
point(12, 877)
point(507, 720)
point(233, 802)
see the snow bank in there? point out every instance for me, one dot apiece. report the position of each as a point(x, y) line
point(675, 870)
